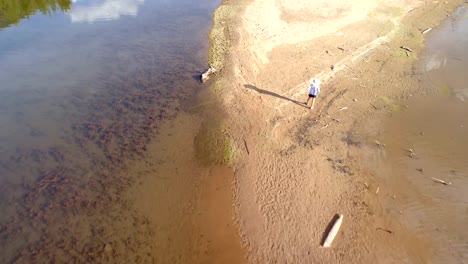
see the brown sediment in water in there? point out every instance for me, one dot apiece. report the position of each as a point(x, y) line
point(424, 164)
point(219, 239)
point(302, 166)
point(68, 200)
point(68, 213)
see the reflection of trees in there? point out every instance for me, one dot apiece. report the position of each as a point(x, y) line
point(11, 11)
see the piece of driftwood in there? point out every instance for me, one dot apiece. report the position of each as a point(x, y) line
point(246, 147)
point(205, 76)
point(383, 229)
point(406, 48)
point(426, 30)
point(441, 181)
point(411, 153)
point(333, 232)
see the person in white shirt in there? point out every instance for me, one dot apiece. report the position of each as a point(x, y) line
point(313, 89)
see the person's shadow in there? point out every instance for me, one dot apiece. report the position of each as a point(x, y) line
point(258, 90)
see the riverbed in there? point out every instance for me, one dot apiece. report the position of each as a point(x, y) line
point(100, 106)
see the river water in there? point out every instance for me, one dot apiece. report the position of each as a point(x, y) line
point(426, 143)
point(98, 114)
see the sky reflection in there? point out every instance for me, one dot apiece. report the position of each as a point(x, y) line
point(103, 10)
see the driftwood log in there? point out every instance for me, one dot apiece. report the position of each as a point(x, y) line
point(205, 76)
point(333, 232)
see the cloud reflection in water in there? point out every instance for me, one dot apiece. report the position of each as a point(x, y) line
point(87, 11)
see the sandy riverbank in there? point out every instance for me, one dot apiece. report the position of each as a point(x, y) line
point(296, 168)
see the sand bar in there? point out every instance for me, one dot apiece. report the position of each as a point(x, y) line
point(303, 167)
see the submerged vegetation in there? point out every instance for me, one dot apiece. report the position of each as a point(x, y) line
point(213, 146)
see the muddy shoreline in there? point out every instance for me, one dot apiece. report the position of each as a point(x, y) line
point(278, 192)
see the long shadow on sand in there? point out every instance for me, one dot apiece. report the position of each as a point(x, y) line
point(249, 86)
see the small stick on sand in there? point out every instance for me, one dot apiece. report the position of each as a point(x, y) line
point(426, 30)
point(406, 48)
point(379, 144)
point(333, 232)
point(377, 191)
point(441, 181)
point(246, 147)
point(383, 229)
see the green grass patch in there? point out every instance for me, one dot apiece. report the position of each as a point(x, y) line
point(391, 104)
point(385, 27)
point(213, 146)
point(222, 19)
point(399, 53)
point(443, 89)
point(409, 36)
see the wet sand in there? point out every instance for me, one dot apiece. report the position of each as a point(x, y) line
point(218, 232)
point(186, 203)
point(296, 168)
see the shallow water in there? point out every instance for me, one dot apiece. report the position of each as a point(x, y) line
point(427, 141)
point(85, 90)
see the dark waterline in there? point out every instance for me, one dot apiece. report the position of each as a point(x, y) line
point(82, 93)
